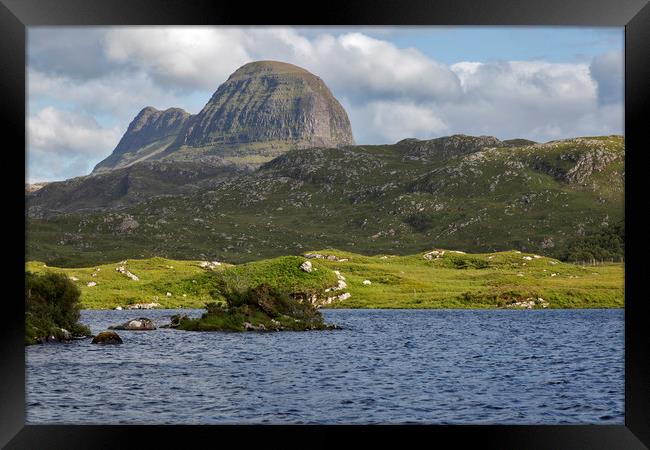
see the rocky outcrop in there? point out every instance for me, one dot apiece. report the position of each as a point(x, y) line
point(588, 163)
point(141, 324)
point(121, 269)
point(327, 257)
point(107, 337)
point(60, 335)
point(448, 147)
point(328, 300)
point(529, 303)
point(151, 305)
point(175, 321)
point(434, 254)
point(306, 266)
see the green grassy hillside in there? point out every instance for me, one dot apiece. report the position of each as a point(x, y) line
point(478, 194)
point(451, 280)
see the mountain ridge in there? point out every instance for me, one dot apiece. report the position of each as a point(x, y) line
point(399, 198)
point(149, 127)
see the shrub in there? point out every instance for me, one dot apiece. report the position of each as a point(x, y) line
point(259, 305)
point(607, 244)
point(419, 221)
point(51, 303)
point(464, 262)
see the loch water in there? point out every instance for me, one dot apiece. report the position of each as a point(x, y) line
point(383, 367)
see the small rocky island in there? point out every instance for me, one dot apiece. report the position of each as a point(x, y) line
point(262, 308)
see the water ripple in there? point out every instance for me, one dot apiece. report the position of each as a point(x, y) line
point(385, 366)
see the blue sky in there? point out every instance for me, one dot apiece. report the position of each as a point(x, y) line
point(85, 84)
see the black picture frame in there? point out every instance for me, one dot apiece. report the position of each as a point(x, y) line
point(634, 15)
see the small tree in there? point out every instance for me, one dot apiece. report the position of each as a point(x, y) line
point(51, 303)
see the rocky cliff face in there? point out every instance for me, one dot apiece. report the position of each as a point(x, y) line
point(149, 133)
point(264, 109)
point(269, 101)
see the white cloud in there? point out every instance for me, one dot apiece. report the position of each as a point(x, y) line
point(203, 57)
point(530, 99)
point(122, 95)
point(196, 57)
point(529, 82)
point(365, 68)
point(59, 141)
point(392, 121)
point(607, 70)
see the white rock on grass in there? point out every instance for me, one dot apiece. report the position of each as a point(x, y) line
point(367, 282)
point(91, 284)
point(123, 271)
point(306, 266)
point(434, 254)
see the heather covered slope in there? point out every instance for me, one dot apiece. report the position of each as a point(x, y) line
point(118, 188)
point(477, 194)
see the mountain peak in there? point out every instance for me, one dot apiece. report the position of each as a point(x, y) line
point(272, 104)
point(260, 67)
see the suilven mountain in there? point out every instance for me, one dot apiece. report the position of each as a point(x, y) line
point(269, 167)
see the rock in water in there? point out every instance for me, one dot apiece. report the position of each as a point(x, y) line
point(176, 320)
point(107, 337)
point(141, 324)
point(270, 102)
